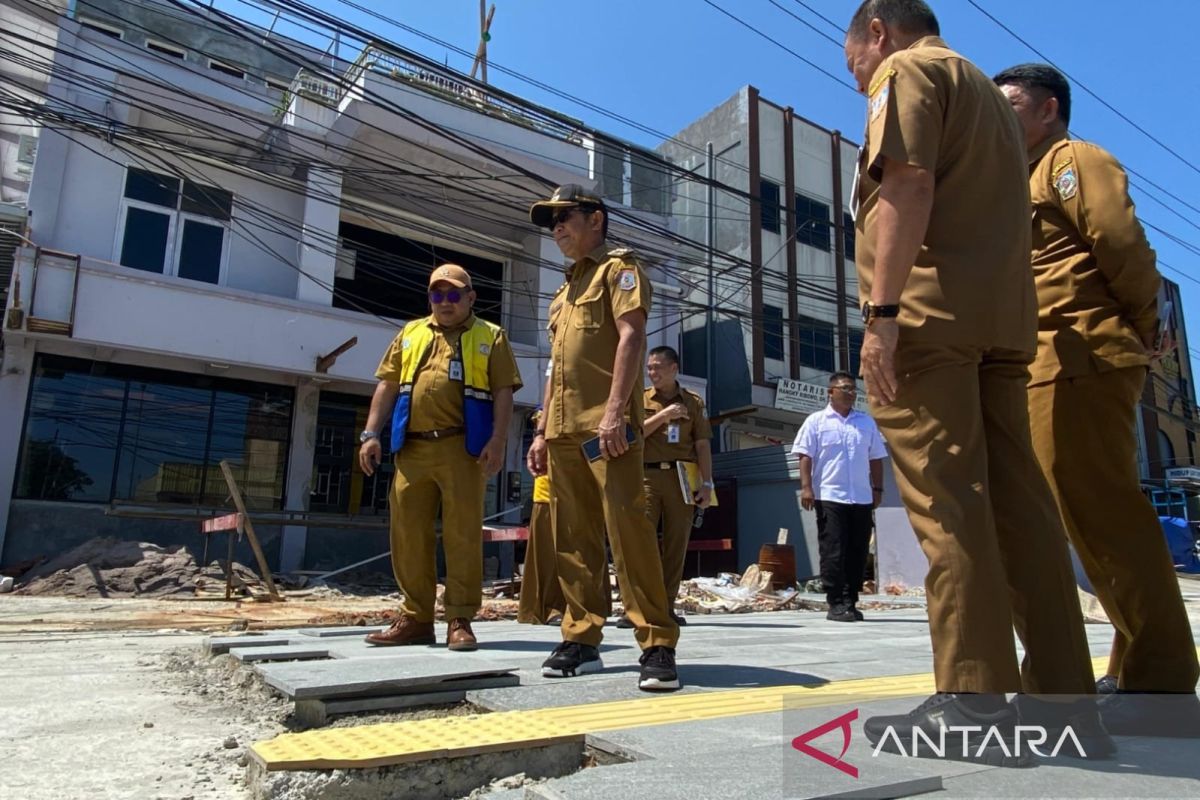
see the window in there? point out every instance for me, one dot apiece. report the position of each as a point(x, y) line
point(338, 484)
point(100, 27)
point(848, 235)
point(166, 49)
point(768, 193)
point(173, 226)
point(816, 344)
point(812, 223)
point(856, 343)
point(226, 69)
point(773, 333)
point(99, 432)
point(280, 86)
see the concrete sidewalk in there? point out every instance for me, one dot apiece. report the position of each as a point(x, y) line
point(750, 755)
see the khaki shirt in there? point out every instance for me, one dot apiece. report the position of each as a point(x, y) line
point(971, 282)
point(659, 446)
point(437, 401)
point(1095, 272)
point(601, 287)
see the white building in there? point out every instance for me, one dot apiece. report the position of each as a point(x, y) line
point(211, 213)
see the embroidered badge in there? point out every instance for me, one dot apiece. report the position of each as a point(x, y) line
point(880, 81)
point(879, 101)
point(627, 280)
point(485, 349)
point(1066, 184)
point(404, 344)
point(1060, 166)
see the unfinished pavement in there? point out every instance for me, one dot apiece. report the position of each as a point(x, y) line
point(726, 735)
point(75, 706)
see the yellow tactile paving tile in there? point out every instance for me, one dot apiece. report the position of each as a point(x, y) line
point(399, 742)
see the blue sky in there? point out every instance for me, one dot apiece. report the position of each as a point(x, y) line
point(666, 62)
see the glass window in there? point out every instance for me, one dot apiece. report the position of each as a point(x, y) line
point(812, 223)
point(816, 344)
point(848, 235)
point(768, 192)
point(71, 432)
point(773, 333)
point(151, 187)
point(206, 201)
point(102, 432)
point(200, 248)
point(338, 485)
point(144, 243)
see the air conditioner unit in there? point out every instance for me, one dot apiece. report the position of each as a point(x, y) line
point(26, 153)
point(344, 261)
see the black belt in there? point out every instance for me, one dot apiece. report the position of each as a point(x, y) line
point(442, 434)
point(664, 464)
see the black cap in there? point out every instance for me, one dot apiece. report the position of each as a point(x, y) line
point(568, 195)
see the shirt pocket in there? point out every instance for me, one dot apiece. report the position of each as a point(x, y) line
point(829, 438)
point(590, 308)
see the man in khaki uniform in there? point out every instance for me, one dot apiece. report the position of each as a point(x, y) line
point(447, 381)
point(597, 342)
point(677, 429)
point(1097, 328)
point(943, 269)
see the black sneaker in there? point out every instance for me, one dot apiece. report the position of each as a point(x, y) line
point(679, 618)
point(841, 613)
point(570, 659)
point(1081, 715)
point(939, 719)
point(624, 622)
point(1107, 685)
point(858, 615)
point(1152, 714)
point(658, 670)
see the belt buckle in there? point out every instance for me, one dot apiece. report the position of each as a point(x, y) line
point(664, 465)
point(434, 434)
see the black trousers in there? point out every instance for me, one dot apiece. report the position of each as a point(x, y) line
point(843, 536)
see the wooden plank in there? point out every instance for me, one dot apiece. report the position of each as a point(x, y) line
point(236, 494)
point(228, 522)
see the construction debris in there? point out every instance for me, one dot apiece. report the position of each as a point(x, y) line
point(106, 567)
point(729, 593)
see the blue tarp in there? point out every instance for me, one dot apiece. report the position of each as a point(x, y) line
point(1181, 543)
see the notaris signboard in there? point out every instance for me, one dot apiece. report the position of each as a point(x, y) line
point(804, 397)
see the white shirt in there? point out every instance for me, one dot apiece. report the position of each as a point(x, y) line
point(841, 449)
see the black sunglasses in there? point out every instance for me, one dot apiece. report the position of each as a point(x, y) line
point(564, 214)
point(452, 296)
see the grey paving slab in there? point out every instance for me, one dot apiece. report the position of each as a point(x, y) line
point(219, 645)
point(252, 655)
point(349, 677)
point(347, 630)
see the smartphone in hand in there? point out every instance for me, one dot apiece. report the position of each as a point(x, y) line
point(591, 448)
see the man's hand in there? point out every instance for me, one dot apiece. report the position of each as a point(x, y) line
point(876, 497)
point(676, 411)
point(535, 459)
point(878, 358)
point(703, 497)
point(612, 435)
point(807, 498)
point(369, 456)
point(492, 457)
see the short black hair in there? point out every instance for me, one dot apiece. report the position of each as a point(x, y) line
point(665, 352)
point(910, 16)
point(1041, 78)
point(841, 376)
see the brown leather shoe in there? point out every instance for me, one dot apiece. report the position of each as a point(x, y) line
point(404, 631)
point(459, 635)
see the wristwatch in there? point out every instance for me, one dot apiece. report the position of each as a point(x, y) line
point(708, 485)
point(367, 436)
point(871, 311)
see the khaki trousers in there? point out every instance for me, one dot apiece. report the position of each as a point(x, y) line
point(1083, 431)
point(958, 435)
point(430, 473)
point(589, 498)
point(541, 593)
point(664, 502)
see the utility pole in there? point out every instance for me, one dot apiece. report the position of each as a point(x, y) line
point(710, 243)
point(485, 36)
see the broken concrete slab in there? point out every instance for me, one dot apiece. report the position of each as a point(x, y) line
point(358, 677)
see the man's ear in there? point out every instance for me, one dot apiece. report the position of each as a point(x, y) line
point(1049, 110)
point(471, 298)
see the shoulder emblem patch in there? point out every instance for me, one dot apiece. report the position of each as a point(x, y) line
point(404, 343)
point(1066, 184)
point(621, 251)
point(485, 349)
point(879, 101)
point(627, 280)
